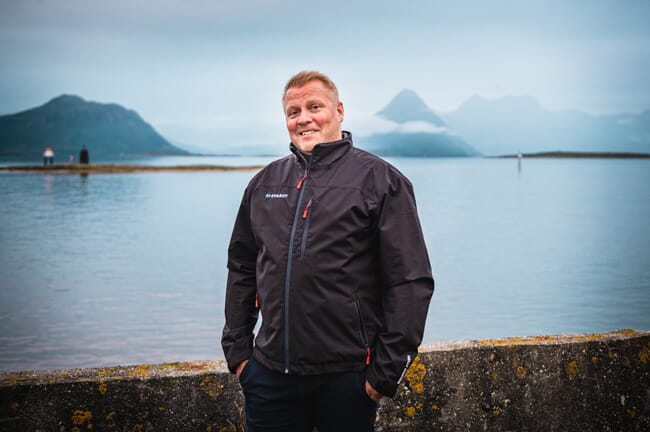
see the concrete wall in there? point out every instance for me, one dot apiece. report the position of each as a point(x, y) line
point(552, 383)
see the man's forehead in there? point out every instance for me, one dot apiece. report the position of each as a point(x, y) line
point(313, 89)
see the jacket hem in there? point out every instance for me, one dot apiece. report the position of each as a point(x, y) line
point(309, 369)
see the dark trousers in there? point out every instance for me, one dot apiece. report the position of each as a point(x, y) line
point(335, 402)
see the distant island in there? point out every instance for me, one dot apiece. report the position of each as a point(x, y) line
point(122, 168)
point(67, 123)
point(592, 155)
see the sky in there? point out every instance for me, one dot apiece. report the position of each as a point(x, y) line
point(204, 72)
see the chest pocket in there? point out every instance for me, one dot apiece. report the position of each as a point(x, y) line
point(336, 216)
point(271, 212)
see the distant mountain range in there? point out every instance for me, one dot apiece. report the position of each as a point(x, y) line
point(408, 127)
point(417, 131)
point(66, 123)
point(520, 124)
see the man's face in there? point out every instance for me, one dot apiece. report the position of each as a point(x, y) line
point(313, 115)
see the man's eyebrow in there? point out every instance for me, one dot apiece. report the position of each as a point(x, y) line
point(292, 105)
point(314, 101)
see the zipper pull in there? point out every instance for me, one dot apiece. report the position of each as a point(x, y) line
point(257, 302)
point(306, 212)
point(302, 180)
point(368, 357)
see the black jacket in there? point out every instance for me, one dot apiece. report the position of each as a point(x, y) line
point(330, 250)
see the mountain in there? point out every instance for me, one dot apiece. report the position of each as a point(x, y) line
point(416, 131)
point(406, 107)
point(66, 123)
point(520, 124)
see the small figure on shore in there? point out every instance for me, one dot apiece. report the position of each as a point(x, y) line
point(84, 157)
point(70, 159)
point(48, 156)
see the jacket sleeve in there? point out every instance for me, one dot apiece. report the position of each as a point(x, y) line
point(407, 286)
point(240, 310)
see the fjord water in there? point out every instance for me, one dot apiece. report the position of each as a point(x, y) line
point(130, 268)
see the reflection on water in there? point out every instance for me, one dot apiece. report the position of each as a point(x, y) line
point(130, 268)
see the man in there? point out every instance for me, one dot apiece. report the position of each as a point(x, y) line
point(327, 245)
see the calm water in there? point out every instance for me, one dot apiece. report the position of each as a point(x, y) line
point(130, 268)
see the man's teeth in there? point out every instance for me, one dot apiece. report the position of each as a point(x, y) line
point(307, 133)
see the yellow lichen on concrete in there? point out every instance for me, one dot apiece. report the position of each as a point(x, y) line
point(572, 369)
point(628, 332)
point(521, 372)
point(12, 381)
point(411, 411)
point(106, 371)
point(495, 375)
point(594, 359)
point(140, 371)
point(102, 387)
point(496, 412)
point(553, 339)
point(82, 418)
point(211, 386)
point(644, 355)
point(415, 376)
point(110, 415)
point(14, 406)
point(516, 340)
point(434, 407)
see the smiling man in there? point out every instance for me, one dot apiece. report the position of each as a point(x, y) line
point(314, 114)
point(327, 246)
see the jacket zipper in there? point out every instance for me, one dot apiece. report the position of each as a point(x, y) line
point(364, 335)
point(287, 282)
point(306, 215)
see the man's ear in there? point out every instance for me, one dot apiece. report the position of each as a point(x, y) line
point(340, 111)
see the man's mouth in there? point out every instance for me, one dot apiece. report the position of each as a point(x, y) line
point(309, 132)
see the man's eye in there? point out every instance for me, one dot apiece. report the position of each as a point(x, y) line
point(292, 113)
point(315, 107)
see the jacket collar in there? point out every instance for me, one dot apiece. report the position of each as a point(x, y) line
point(326, 153)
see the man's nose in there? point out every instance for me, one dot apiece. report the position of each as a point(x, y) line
point(304, 118)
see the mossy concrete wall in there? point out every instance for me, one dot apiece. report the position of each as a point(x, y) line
point(556, 383)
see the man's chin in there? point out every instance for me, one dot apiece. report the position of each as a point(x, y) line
point(306, 147)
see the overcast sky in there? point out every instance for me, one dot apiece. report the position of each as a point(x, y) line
point(221, 65)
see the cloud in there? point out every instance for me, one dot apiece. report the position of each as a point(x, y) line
point(368, 124)
point(421, 126)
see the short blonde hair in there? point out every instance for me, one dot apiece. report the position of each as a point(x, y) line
point(303, 77)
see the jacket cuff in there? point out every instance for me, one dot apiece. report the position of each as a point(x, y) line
point(385, 387)
point(238, 351)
